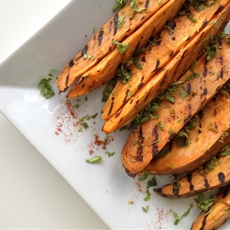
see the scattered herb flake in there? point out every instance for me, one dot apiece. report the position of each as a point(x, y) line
point(148, 195)
point(46, 89)
point(95, 159)
point(145, 209)
point(144, 176)
point(203, 202)
point(119, 4)
point(121, 47)
point(178, 219)
point(110, 154)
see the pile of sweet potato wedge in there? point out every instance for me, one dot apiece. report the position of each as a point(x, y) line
point(171, 60)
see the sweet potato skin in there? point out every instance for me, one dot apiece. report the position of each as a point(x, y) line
point(136, 157)
point(200, 180)
point(101, 43)
point(218, 215)
point(156, 57)
point(106, 69)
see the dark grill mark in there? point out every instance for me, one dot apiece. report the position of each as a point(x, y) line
point(188, 91)
point(205, 91)
point(115, 24)
point(66, 83)
point(156, 136)
point(221, 75)
point(100, 36)
point(175, 191)
point(140, 141)
point(205, 71)
point(141, 83)
point(221, 177)
point(71, 63)
point(189, 178)
point(157, 65)
point(147, 4)
point(219, 9)
point(203, 223)
point(204, 23)
point(143, 59)
point(206, 184)
point(84, 51)
point(111, 107)
point(171, 54)
point(126, 95)
point(146, 97)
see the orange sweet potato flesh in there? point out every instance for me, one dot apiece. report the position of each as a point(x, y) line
point(106, 69)
point(218, 214)
point(101, 43)
point(205, 138)
point(162, 80)
point(137, 156)
point(202, 179)
point(158, 56)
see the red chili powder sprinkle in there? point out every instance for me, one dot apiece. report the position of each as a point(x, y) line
point(70, 109)
point(91, 151)
point(102, 143)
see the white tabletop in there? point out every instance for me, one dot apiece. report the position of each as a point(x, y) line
point(32, 194)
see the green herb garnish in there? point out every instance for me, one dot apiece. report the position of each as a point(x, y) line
point(121, 47)
point(46, 89)
point(152, 182)
point(204, 203)
point(119, 4)
point(145, 209)
point(178, 218)
point(110, 154)
point(95, 159)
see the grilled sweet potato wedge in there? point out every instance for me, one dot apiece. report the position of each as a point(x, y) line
point(219, 213)
point(135, 14)
point(139, 148)
point(198, 140)
point(170, 42)
point(214, 174)
point(162, 80)
point(107, 67)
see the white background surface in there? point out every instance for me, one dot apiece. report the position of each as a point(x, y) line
point(32, 193)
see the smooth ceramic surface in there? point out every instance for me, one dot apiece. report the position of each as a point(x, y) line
point(50, 125)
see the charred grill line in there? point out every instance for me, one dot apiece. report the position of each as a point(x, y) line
point(111, 106)
point(189, 114)
point(140, 141)
point(156, 135)
point(100, 36)
point(126, 95)
point(189, 90)
point(157, 65)
point(219, 9)
point(221, 177)
point(175, 190)
point(206, 184)
point(71, 63)
point(147, 4)
point(115, 24)
point(203, 223)
point(225, 192)
point(189, 178)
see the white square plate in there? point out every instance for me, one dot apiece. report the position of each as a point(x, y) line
point(49, 125)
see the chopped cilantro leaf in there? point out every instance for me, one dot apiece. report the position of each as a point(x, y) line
point(121, 47)
point(152, 182)
point(110, 154)
point(119, 4)
point(46, 89)
point(203, 202)
point(145, 209)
